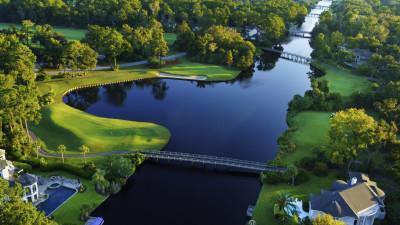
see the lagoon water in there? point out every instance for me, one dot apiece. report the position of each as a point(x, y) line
point(241, 119)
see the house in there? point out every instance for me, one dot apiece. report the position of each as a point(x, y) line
point(30, 187)
point(358, 201)
point(254, 33)
point(6, 167)
point(361, 56)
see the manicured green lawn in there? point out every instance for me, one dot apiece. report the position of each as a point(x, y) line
point(263, 213)
point(61, 124)
point(70, 33)
point(170, 38)
point(312, 132)
point(70, 211)
point(213, 72)
point(345, 85)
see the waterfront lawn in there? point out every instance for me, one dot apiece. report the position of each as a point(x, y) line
point(312, 132)
point(344, 84)
point(61, 124)
point(70, 211)
point(263, 213)
point(212, 71)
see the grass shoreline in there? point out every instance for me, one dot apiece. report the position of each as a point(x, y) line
point(62, 124)
point(309, 129)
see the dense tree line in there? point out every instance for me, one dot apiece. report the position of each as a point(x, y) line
point(217, 44)
point(372, 25)
point(20, 99)
point(273, 16)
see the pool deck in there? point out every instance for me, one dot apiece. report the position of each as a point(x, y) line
point(44, 184)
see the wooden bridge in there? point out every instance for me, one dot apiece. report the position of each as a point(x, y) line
point(290, 56)
point(305, 34)
point(215, 161)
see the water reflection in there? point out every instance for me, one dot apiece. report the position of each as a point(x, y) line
point(82, 99)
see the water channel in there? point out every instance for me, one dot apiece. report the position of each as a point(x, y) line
point(241, 119)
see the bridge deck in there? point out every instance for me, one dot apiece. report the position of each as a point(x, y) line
point(210, 160)
point(291, 56)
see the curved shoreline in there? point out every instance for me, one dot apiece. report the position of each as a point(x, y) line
point(87, 82)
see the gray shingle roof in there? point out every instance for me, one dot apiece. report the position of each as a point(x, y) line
point(4, 163)
point(347, 200)
point(27, 179)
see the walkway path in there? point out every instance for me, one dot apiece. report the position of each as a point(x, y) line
point(120, 65)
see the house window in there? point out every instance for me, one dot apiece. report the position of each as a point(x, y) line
point(34, 188)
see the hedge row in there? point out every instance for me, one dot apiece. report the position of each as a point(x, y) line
point(26, 167)
point(86, 173)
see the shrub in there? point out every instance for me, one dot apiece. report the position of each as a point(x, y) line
point(155, 63)
point(271, 177)
point(321, 169)
point(77, 171)
point(26, 167)
point(35, 163)
point(302, 176)
point(307, 162)
point(306, 206)
point(115, 68)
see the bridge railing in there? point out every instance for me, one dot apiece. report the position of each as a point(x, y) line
point(192, 156)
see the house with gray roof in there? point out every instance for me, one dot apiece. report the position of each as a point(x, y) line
point(358, 201)
point(30, 187)
point(6, 167)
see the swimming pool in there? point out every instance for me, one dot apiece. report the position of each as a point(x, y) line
point(56, 198)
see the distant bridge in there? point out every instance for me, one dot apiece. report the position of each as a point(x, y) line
point(305, 34)
point(324, 7)
point(291, 56)
point(215, 161)
point(313, 15)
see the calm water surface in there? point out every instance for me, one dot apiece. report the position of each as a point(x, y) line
point(241, 119)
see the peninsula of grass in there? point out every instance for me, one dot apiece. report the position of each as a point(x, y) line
point(264, 213)
point(212, 71)
point(70, 211)
point(62, 124)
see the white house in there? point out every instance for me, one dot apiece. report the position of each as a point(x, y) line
point(358, 201)
point(6, 167)
point(30, 187)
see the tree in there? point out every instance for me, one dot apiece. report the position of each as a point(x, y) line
point(62, 149)
point(26, 25)
point(291, 171)
point(229, 58)
point(124, 167)
point(84, 149)
point(285, 201)
point(13, 210)
point(37, 145)
point(350, 133)
point(99, 180)
point(326, 219)
point(81, 56)
point(212, 47)
point(114, 45)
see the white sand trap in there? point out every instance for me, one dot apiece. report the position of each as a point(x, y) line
point(167, 75)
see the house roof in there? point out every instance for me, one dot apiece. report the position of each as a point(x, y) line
point(4, 163)
point(27, 179)
point(345, 199)
point(11, 183)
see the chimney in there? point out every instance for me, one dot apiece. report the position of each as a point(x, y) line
point(353, 180)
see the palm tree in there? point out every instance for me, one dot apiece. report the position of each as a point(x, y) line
point(84, 149)
point(285, 201)
point(36, 144)
point(62, 149)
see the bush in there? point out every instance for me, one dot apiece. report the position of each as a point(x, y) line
point(115, 68)
point(271, 177)
point(155, 63)
point(26, 167)
point(77, 171)
point(307, 162)
point(306, 206)
point(321, 169)
point(35, 163)
point(302, 176)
